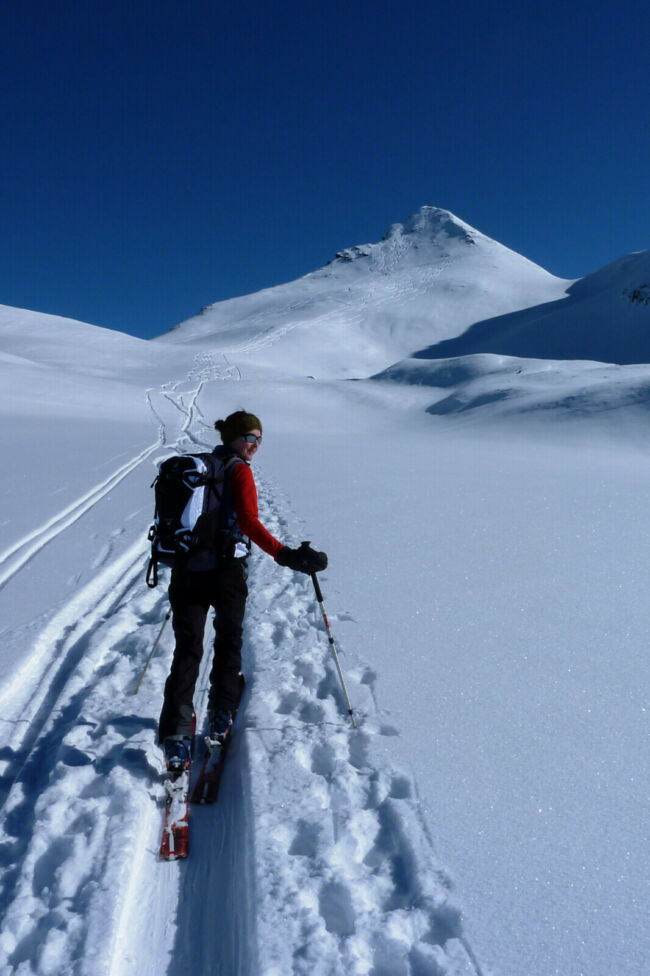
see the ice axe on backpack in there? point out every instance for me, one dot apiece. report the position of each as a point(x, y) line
point(330, 637)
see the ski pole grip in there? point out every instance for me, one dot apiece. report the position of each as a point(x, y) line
point(319, 595)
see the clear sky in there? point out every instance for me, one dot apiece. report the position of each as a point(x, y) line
point(159, 156)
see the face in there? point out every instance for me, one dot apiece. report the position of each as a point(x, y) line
point(247, 450)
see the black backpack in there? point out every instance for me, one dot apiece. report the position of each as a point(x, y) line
point(188, 492)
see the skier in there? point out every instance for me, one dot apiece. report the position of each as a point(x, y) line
point(216, 578)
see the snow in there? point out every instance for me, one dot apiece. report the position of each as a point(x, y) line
point(484, 518)
point(429, 279)
point(603, 316)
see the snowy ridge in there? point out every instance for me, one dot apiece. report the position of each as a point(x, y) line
point(604, 316)
point(47, 339)
point(425, 237)
point(430, 237)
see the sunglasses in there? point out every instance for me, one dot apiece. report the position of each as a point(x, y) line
point(251, 438)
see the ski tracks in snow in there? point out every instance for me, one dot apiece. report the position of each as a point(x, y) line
point(79, 771)
point(78, 767)
point(185, 412)
point(18, 555)
point(316, 860)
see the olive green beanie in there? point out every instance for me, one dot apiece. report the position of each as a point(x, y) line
point(236, 424)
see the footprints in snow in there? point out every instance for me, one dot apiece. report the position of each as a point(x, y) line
point(340, 842)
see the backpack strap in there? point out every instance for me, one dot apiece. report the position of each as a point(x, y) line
point(230, 463)
point(152, 573)
point(207, 534)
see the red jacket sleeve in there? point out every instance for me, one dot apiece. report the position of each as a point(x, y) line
point(245, 495)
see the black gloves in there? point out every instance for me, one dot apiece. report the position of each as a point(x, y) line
point(302, 560)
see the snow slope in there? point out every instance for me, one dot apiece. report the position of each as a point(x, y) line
point(605, 316)
point(487, 589)
point(429, 279)
point(486, 387)
point(316, 867)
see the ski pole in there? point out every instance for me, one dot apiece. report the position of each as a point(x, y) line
point(319, 597)
point(153, 651)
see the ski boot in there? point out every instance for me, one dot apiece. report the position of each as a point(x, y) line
point(220, 724)
point(178, 753)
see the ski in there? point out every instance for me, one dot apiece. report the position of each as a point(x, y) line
point(206, 788)
point(176, 826)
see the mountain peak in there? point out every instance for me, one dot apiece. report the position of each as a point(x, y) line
point(433, 224)
point(429, 228)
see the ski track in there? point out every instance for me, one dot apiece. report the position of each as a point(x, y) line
point(206, 368)
point(391, 292)
point(316, 860)
point(15, 557)
point(73, 760)
point(75, 786)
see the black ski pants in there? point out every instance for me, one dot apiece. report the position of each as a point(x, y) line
point(191, 595)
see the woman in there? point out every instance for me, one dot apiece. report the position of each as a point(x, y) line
point(216, 577)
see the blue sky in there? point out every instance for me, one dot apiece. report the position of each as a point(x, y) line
point(157, 157)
